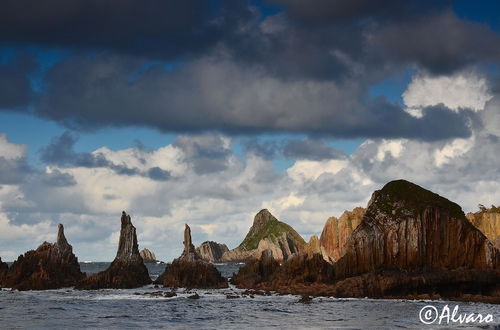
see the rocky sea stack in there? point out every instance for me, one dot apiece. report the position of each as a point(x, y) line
point(127, 270)
point(267, 233)
point(148, 256)
point(212, 251)
point(411, 243)
point(50, 266)
point(190, 270)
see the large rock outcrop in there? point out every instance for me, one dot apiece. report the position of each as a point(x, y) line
point(411, 243)
point(336, 232)
point(312, 247)
point(4, 269)
point(190, 270)
point(127, 269)
point(148, 256)
point(212, 251)
point(50, 266)
point(266, 233)
point(488, 222)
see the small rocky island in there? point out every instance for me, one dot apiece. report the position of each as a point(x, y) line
point(127, 270)
point(148, 256)
point(190, 270)
point(50, 266)
point(212, 251)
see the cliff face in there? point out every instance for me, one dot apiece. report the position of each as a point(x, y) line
point(212, 251)
point(411, 243)
point(488, 222)
point(412, 229)
point(190, 270)
point(148, 256)
point(127, 269)
point(336, 232)
point(266, 233)
point(50, 266)
point(4, 268)
point(312, 247)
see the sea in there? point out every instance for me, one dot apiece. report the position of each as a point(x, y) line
point(224, 309)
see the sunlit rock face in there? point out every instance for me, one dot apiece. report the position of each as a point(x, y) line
point(488, 222)
point(50, 266)
point(212, 251)
point(336, 232)
point(127, 269)
point(266, 233)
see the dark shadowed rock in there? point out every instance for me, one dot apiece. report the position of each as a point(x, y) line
point(148, 256)
point(190, 270)
point(4, 268)
point(256, 271)
point(127, 270)
point(212, 251)
point(50, 266)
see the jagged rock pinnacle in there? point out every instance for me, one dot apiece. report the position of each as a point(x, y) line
point(61, 242)
point(189, 253)
point(128, 249)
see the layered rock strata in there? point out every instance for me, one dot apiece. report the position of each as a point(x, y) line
point(127, 269)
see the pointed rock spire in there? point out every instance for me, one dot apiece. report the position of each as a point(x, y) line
point(128, 248)
point(189, 253)
point(61, 243)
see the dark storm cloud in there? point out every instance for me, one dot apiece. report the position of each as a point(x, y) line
point(60, 152)
point(217, 94)
point(154, 27)
point(14, 171)
point(205, 153)
point(15, 89)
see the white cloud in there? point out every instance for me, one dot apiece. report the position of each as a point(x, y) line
point(461, 90)
point(11, 150)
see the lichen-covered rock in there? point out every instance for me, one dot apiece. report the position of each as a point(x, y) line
point(50, 266)
point(212, 251)
point(148, 256)
point(336, 232)
point(127, 269)
point(190, 270)
point(266, 233)
point(488, 222)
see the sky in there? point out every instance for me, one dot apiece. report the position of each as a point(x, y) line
point(206, 111)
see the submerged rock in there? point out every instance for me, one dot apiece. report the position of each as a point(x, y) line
point(212, 251)
point(127, 270)
point(50, 266)
point(190, 270)
point(267, 233)
point(148, 256)
point(336, 232)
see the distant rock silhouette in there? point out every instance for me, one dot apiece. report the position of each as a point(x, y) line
point(212, 251)
point(127, 270)
point(50, 266)
point(190, 270)
point(266, 233)
point(4, 268)
point(148, 256)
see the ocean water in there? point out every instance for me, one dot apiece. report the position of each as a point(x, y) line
point(122, 309)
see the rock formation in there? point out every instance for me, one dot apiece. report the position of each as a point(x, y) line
point(127, 270)
point(312, 247)
point(190, 270)
point(148, 256)
point(488, 222)
point(212, 251)
point(4, 269)
point(50, 266)
point(336, 232)
point(266, 233)
point(411, 243)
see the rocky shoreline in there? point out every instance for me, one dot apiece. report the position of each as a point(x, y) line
point(409, 243)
